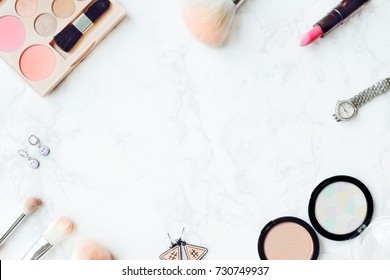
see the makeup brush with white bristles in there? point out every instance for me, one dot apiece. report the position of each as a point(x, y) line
point(30, 205)
point(71, 34)
point(57, 231)
point(90, 250)
point(210, 20)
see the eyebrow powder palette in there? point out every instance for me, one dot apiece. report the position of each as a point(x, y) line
point(340, 208)
point(28, 29)
point(288, 238)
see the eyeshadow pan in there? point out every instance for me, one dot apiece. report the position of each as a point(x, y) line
point(45, 25)
point(340, 208)
point(12, 34)
point(26, 8)
point(63, 8)
point(288, 238)
point(37, 63)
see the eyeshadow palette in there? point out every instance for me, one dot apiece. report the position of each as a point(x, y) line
point(29, 29)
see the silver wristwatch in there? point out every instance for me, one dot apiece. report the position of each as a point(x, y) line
point(347, 109)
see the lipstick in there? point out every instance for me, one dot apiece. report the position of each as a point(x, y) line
point(336, 17)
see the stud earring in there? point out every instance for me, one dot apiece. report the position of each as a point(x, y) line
point(34, 141)
point(32, 162)
point(175, 251)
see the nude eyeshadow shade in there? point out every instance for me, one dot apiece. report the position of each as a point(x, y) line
point(340, 208)
point(26, 8)
point(45, 24)
point(63, 8)
point(288, 238)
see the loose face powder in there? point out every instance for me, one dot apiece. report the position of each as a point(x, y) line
point(340, 208)
point(288, 238)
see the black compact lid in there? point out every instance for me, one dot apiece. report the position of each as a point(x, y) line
point(320, 188)
point(270, 225)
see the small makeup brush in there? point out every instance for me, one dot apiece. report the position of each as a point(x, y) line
point(57, 231)
point(90, 250)
point(30, 205)
point(210, 20)
point(71, 34)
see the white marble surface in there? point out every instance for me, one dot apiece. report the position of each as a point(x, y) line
point(156, 131)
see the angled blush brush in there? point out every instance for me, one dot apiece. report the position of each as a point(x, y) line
point(29, 206)
point(71, 34)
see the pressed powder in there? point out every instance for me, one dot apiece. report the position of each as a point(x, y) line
point(45, 25)
point(37, 62)
point(288, 238)
point(26, 8)
point(63, 8)
point(12, 34)
point(340, 208)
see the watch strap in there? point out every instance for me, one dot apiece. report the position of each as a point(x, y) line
point(370, 93)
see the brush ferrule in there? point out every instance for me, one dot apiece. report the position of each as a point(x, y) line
point(12, 227)
point(82, 23)
point(38, 250)
point(238, 3)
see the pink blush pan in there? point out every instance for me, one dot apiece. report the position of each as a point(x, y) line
point(12, 34)
point(37, 63)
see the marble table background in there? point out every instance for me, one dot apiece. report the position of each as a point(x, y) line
point(155, 131)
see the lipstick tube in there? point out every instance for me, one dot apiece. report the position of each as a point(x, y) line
point(338, 15)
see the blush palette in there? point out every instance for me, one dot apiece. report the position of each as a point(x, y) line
point(28, 29)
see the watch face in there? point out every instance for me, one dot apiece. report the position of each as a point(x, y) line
point(345, 110)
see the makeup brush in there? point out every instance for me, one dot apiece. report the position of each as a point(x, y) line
point(52, 236)
point(210, 20)
point(30, 205)
point(90, 250)
point(71, 34)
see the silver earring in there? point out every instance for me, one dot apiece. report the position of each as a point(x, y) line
point(32, 162)
point(34, 141)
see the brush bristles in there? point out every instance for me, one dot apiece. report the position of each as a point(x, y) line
point(90, 250)
point(68, 38)
point(70, 35)
point(31, 205)
point(210, 20)
point(58, 230)
point(97, 9)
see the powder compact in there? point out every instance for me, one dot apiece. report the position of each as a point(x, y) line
point(44, 40)
point(288, 238)
point(340, 208)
